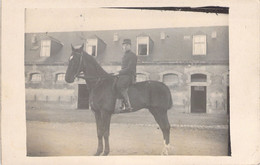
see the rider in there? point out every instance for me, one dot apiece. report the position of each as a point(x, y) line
point(127, 73)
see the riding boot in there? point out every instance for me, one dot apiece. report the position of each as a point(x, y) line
point(126, 100)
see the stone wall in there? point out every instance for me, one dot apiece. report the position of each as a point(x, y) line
point(50, 93)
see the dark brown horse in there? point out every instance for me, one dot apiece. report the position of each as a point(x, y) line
point(152, 95)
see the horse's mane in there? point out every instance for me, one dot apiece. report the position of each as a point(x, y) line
point(93, 61)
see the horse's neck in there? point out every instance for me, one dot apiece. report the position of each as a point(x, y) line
point(94, 75)
point(93, 69)
point(100, 70)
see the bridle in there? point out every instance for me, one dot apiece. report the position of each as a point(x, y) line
point(97, 79)
point(79, 67)
point(78, 73)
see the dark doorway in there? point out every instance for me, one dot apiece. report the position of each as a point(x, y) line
point(198, 99)
point(83, 97)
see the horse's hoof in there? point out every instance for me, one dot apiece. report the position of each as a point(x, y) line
point(105, 153)
point(164, 153)
point(167, 148)
point(97, 153)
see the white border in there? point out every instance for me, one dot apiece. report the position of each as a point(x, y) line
point(244, 80)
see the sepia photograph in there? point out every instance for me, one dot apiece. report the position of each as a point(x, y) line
point(130, 82)
point(127, 81)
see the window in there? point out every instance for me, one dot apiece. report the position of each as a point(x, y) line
point(60, 77)
point(91, 50)
point(116, 37)
point(35, 77)
point(142, 49)
point(162, 35)
point(198, 78)
point(199, 45)
point(91, 47)
point(141, 77)
point(45, 48)
point(144, 46)
point(214, 34)
point(171, 79)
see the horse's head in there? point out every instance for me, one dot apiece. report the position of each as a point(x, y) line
point(75, 64)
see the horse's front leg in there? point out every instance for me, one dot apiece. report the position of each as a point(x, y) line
point(106, 116)
point(99, 133)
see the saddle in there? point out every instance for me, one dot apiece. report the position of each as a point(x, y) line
point(114, 87)
point(121, 103)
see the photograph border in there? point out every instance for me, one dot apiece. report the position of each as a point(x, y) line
point(244, 84)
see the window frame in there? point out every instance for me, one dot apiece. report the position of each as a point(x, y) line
point(44, 47)
point(208, 74)
point(196, 52)
point(90, 43)
point(172, 84)
point(146, 42)
point(57, 78)
point(203, 77)
point(33, 80)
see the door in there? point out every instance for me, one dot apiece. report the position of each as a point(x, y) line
point(83, 97)
point(198, 99)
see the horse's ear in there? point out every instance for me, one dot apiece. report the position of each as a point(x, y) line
point(81, 48)
point(73, 49)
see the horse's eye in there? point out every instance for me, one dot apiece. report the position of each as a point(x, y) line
point(71, 57)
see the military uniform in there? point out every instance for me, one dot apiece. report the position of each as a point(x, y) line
point(126, 74)
point(128, 70)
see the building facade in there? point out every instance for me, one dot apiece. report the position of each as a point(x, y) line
point(192, 61)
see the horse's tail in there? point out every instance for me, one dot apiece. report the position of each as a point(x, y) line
point(170, 100)
point(170, 103)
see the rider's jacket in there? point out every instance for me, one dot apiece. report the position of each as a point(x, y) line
point(129, 62)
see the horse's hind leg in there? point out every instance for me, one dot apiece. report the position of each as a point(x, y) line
point(166, 133)
point(99, 133)
point(161, 118)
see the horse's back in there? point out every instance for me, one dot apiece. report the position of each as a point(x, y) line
point(153, 94)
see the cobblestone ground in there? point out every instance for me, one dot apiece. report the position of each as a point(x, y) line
point(68, 133)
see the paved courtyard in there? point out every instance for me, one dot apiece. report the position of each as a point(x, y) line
point(73, 132)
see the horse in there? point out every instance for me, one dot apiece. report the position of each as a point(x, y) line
point(152, 95)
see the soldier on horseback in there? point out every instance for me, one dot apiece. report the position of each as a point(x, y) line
point(127, 73)
point(152, 95)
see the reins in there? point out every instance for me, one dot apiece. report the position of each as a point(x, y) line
point(78, 73)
